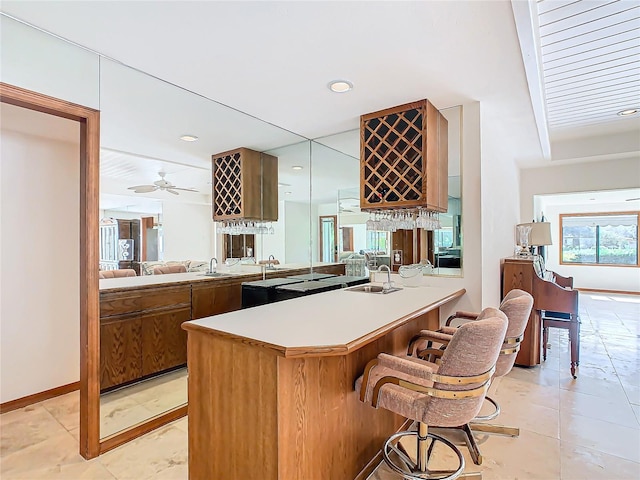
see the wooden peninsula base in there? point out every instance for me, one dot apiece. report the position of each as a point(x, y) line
point(261, 410)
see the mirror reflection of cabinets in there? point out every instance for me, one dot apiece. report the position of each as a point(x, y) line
point(245, 186)
point(141, 120)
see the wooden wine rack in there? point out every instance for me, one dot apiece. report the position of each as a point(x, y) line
point(244, 185)
point(404, 158)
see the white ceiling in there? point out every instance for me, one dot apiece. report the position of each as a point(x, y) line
point(628, 199)
point(273, 60)
point(590, 59)
point(30, 122)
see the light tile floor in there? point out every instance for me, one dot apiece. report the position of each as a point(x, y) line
point(570, 429)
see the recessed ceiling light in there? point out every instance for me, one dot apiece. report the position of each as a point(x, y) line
point(297, 167)
point(287, 193)
point(340, 86)
point(592, 199)
point(189, 138)
point(629, 111)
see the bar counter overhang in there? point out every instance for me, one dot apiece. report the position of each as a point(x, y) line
point(271, 387)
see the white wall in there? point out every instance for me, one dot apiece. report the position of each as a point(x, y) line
point(39, 264)
point(36, 61)
point(500, 204)
point(187, 230)
point(297, 235)
point(601, 277)
point(578, 177)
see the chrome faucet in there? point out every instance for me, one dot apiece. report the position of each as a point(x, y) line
point(388, 284)
point(211, 269)
point(269, 262)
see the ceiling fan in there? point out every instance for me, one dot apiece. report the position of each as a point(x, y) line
point(161, 184)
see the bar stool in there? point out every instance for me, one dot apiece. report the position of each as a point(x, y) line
point(516, 305)
point(446, 395)
point(169, 269)
point(117, 273)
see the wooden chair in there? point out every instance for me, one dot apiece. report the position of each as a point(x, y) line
point(123, 272)
point(557, 302)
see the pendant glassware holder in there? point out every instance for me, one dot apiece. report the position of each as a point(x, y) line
point(244, 227)
point(403, 219)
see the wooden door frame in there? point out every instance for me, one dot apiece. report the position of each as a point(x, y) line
point(335, 235)
point(89, 120)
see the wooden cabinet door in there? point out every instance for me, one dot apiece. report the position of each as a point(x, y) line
point(120, 351)
point(164, 342)
point(212, 300)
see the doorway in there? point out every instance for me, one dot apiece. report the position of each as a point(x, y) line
point(89, 180)
point(328, 238)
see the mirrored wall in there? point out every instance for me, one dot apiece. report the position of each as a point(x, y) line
point(144, 127)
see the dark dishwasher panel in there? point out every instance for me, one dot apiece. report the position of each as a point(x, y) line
point(348, 280)
point(295, 290)
point(312, 276)
point(261, 292)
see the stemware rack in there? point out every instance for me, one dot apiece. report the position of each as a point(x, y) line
point(404, 158)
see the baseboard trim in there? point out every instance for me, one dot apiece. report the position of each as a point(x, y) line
point(597, 290)
point(38, 397)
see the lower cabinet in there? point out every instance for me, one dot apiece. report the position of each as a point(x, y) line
point(211, 299)
point(120, 350)
point(164, 342)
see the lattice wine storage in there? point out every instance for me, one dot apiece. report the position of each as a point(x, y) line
point(244, 185)
point(403, 158)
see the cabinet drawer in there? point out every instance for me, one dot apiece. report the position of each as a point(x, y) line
point(139, 300)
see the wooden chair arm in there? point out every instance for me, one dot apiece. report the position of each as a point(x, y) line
point(461, 314)
point(427, 336)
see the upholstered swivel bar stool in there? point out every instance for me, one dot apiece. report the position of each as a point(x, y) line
point(169, 269)
point(447, 394)
point(118, 273)
point(516, 305)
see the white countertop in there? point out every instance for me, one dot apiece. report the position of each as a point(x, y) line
point(240, 270)
point(332, 318)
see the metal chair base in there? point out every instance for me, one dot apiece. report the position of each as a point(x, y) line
point(493, 414)
point(411, 470)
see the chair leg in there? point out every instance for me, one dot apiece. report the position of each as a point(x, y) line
point(574, 341)
point(476, 456)
point(422, 456)
point(497, 429)
point(545, 341)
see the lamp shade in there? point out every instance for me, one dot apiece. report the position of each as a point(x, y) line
point(540, 234)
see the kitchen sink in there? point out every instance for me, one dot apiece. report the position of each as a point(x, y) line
point(379, 289)
point(216, 274)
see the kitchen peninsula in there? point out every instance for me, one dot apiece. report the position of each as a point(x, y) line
point(141, 317)
point(271, 387)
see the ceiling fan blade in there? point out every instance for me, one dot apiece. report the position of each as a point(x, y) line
point(185, 189)
point(144, 188)
point(170, 190)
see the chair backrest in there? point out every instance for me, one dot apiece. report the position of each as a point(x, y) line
point(123, 272)
point(169, 269)
point(473, 350)
point(516, 305)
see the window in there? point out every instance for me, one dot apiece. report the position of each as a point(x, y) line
point(599, 239)
point(378, 241)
